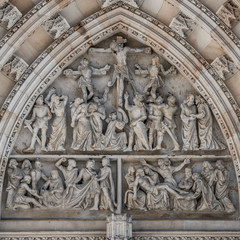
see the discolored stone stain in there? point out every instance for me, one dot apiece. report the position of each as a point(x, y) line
point(17, 150)
point(81, 29)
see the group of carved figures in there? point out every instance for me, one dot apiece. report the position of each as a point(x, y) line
point(205, 191)
point(149, 120)
point(29, 187)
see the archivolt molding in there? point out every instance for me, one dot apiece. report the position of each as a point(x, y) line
point(94, 29)
point(27, 25)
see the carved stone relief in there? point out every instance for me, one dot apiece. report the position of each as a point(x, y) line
point(127, 101)
point(182, 24)
point(107, 3)
point(9, 15)
point(56, 26)
point(224, 66)
point(229, 12)
point(15, 67)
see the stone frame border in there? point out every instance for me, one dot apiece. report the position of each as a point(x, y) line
point(53, 62)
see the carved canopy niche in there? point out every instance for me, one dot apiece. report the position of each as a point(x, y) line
point(189, 73)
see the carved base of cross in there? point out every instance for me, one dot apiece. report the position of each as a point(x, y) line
point(119, 227)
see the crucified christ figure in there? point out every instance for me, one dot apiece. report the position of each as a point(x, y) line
point(121, 71)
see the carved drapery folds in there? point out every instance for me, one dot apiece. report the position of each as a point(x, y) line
point(15, 67)
point(56, 26)
point(182, 24)
point(9, 15)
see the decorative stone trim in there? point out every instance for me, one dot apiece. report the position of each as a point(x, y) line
point(26, 25)
point(15, 67)
point(9, 15)
point(182, 24)
point(56, 26)
point(229, 12)
point(160, 31)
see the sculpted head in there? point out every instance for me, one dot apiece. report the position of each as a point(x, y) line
point(106, 162)
point(196, 176)
point(219, 164)
point(138, 100)
point(54, 174)
point(147, 170)
point(155, 60)
point(27, 179)
point(188, 173)
point(140, 172)
point(13, 163)
point(199, 99)
point(114, 46)
point(39, 100)
point(26, 164)
point(92, 107)
point(113, 116)
point(161, 162)
point(131, 170)
point(167, 162)
point(71, 164)
point(38, 165)
point(90, 164)
point(206, 166)
point(190, 100)
point(171, 100)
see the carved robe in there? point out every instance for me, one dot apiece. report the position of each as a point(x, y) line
point(189, 128)
point(205, 122)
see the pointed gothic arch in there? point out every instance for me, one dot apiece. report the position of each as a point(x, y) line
point(119, 18)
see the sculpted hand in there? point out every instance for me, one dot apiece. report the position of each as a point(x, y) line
point(28, 121)
point(148, 50)
point(187, 161)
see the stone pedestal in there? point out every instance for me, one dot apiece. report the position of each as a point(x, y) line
point(119, 226)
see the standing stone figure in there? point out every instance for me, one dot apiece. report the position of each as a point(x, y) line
point(85, 72)
point(155, 79)
point(189, 125)
point(26, 167)
point(140, 201)
point(96, 121)
point(205, 124)
point(222, 178)
point(40, 117)
point(23, 201)
point(121, 71)
point(169, 124)
point(37, 174)
point(70, 172)
point(107, 186)
point(88, 192)
point(155, 122)
point(59, 128)
point(116, 140)
point(82, 129)
point(137, 114)
point(14, 177)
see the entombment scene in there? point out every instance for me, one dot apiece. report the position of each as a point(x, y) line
point(120, 98)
